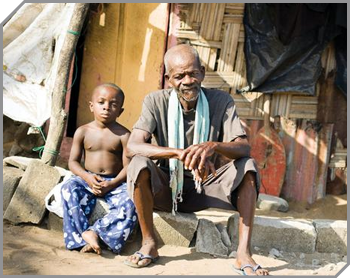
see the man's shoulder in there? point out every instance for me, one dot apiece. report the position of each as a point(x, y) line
point(158, 97)
point(159, 94)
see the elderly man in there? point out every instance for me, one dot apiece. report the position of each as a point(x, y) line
point(202, 157)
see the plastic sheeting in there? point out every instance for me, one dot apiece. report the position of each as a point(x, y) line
point(286, 57)
point(32, 41)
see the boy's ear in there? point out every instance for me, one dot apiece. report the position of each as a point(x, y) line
point(91, 106)
point(121, 111)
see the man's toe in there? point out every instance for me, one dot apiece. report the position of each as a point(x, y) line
point(144, 262)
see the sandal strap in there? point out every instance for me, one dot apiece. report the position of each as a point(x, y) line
point(247, 265)
point(255, 268)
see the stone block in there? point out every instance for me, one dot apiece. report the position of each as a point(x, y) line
point(284, 234)
point(28, 201)
point(20, 162)
point(54, 222)
point(232, 230)
point(331, 236)
point(209, 239)
point(269, 202)
point(175, 230)
point(100, 210)
point(225, 238)
point(11, 177)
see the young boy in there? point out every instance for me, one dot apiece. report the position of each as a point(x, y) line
point(103, 142)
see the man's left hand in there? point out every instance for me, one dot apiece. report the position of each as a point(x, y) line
point(198, 155)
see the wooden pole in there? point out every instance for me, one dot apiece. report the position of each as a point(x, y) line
point(58, 117)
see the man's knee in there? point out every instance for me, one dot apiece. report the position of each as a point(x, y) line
point(250, 177)
point(144, 177)
point(139, 162)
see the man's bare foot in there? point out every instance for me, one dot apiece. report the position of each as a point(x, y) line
point(148, 247)
point(246, 259)
point(92, 245)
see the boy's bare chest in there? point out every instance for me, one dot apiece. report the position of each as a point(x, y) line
point(106, 141)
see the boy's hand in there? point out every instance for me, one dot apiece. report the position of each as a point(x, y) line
point(94, 182)
point(105, 187)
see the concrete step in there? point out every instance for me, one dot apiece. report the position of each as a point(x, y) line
point(216, 232)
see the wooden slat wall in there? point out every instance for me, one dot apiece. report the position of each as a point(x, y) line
point(216, 30)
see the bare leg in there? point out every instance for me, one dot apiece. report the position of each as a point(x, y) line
point(92, 242)
point(143, 199)
point(246, 204)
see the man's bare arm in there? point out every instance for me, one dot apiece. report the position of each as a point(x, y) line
point(138, 145)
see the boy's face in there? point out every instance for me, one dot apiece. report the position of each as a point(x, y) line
point(106, 104)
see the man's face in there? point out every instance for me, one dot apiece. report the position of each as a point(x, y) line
point(185, 76)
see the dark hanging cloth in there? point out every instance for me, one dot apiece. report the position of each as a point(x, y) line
point(341, 60)
point(284, 43)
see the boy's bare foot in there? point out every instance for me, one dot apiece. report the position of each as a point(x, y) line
point(92, 242)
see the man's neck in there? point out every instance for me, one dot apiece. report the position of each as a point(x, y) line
point(188, 105)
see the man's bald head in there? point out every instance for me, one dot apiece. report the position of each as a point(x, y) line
point(178, 53)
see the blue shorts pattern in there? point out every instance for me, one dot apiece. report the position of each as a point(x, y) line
point(78, 203)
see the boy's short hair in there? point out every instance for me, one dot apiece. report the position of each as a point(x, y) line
point(114, 86)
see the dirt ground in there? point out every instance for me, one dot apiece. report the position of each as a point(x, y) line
point(29, 249)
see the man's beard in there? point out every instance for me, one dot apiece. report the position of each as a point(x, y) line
point(182, 95)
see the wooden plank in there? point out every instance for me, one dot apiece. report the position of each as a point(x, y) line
point(212, 59)
point(233, 18)
point(229, 48)
point(204, 55)
point(211, 44)
point(219, 15)
point(195, 13)
point(304, 100)
point(185, 34)
point(206, 22)
point(323, 155)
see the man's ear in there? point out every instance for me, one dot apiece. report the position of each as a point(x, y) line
point(203, 70)
point(166, 75)
point(91, 105)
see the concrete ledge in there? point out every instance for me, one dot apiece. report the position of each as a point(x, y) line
point(175, 230)
point(331, 236)
point(210, 226)
point(286, 235)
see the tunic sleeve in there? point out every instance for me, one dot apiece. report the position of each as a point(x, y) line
point(232, 127)
point(147, 121)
